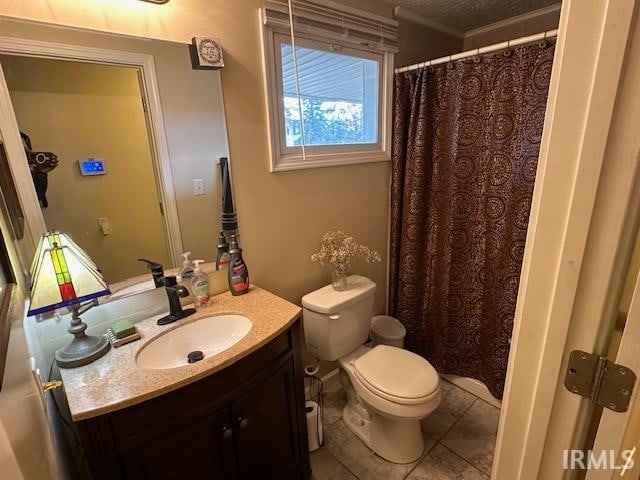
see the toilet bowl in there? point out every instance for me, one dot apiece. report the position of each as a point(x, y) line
point(394, 389)
point(389, 390)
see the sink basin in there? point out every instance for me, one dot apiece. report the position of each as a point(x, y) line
point(209, 335)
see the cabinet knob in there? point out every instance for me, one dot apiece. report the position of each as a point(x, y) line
point(227, 432)
point(243, 422)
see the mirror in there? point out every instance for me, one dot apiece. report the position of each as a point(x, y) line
point(123, 139)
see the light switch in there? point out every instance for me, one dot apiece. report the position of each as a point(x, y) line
point(105, 226)
point(198, 186)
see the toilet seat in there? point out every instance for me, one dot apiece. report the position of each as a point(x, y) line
point(396, 375)
point(389, 424)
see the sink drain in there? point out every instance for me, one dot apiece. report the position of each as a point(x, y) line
point(195, 356)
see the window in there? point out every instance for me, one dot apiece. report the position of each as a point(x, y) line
point(336, 111)
point(338, 97)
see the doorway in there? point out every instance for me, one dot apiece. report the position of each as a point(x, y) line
point(103, 190)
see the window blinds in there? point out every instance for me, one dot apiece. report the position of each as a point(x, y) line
point(334, 21)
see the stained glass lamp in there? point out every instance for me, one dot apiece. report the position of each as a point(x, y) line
point(63, 275)
point(63, 240)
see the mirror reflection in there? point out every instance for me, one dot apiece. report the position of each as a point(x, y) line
point(124, 157)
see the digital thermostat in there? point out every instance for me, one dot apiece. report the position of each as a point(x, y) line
point(92, 166)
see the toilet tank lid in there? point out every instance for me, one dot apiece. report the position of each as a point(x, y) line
point(328, 300)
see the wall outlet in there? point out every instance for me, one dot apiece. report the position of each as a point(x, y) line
point(198, 186)
point(104, 225)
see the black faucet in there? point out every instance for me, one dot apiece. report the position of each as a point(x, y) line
point(157, 271)
point(175, 292)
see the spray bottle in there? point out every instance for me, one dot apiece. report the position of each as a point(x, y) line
point(222, 260)
point(238, 273)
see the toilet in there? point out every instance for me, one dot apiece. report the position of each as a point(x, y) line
point(389, 390)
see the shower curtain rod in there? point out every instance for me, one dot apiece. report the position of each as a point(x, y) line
point(481, 50)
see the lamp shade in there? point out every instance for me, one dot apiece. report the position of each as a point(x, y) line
point(48, 240)
point(63, 275)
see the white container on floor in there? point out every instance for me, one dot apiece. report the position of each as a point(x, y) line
point(386, 330)
point(314, 425)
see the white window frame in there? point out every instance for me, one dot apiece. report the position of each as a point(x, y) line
point(283, 158)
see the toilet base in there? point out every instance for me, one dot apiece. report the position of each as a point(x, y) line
point(394, 440)
point(398, 442)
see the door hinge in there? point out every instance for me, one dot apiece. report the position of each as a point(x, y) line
point(145, 109)
point(601, 381)
point(161, 208)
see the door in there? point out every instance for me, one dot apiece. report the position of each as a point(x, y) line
point(203, 449)
point(579, 226)
point(618, 434)
point(144, 98)
point(265, 426)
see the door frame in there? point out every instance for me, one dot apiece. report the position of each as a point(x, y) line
point(157, 141)
point(563, 241)
point(619, 432)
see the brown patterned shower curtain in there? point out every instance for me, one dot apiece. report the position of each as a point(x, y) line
point(466, 138)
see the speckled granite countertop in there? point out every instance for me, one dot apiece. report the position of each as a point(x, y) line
point(115, 381)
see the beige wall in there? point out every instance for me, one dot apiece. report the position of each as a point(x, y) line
point(80, 110)
point(281, 216)
point(419, 43)
point(529, 26)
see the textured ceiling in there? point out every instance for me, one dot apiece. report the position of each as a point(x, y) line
point(465, 15)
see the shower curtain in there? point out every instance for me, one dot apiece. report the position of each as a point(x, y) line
point(466, 138)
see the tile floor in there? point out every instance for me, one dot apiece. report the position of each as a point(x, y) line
point(459, 440)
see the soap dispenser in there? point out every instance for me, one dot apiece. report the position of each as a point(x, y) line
point(199, 286)
point(186, 271)
point(238, 273)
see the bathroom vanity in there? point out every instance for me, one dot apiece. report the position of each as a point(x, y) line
point(238, 414)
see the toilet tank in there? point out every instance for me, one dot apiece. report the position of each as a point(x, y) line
point(336, 323)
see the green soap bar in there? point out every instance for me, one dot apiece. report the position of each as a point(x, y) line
point(123, 328)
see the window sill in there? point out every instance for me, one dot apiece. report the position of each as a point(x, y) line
point(296, 162)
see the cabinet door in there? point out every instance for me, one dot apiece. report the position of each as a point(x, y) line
point(266, 430)
point(198, 450)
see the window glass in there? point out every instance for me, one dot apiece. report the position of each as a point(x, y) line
point(338, 95)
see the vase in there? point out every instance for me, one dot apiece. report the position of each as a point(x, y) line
point(339, 280)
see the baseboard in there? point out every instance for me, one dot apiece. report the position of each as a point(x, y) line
point(330, 375)
point(474, 387)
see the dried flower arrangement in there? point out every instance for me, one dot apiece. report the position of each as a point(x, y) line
point(338, 250)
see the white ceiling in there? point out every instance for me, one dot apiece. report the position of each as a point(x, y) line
point(463, 15)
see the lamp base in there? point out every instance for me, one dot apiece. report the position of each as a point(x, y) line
point(82, 350)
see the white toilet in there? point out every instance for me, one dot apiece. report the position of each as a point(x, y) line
point(389, 390)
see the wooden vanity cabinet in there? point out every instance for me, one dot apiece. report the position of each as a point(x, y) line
point(244, 422)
